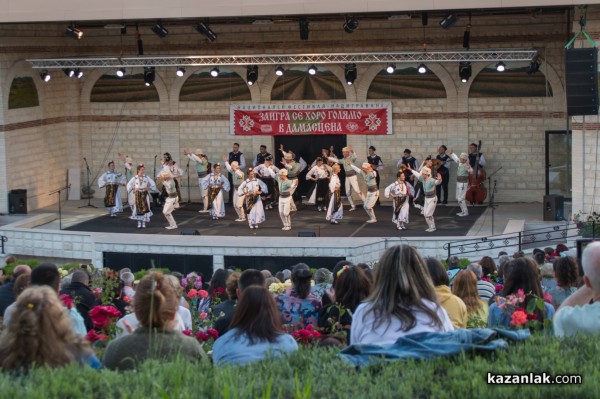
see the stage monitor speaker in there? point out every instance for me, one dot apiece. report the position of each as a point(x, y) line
point(189, 232)
point(307, 234)
point(581, 74)
point(17, 201)
point(554, 207)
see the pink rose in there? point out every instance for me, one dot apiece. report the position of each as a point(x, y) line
point(203, 293)
point(203, 316)
point(518, 318)
point(192, 293)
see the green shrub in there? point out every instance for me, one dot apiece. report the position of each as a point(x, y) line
point(462, 262)
point(142, 272)
point(8, 269)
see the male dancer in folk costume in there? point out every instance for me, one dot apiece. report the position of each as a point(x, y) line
point(294, 169)
point(112, 180)
point(260, 157)
point(202, 163)
point(335, 210)
point(285, 197)
point(376, 164)
point(400, 191)
point(129, 173)
point(372, 190)
point(141, 185)
point(319, 173)
point(235, 156)
point(216, 183)
point(349, 157)
point(171, 167)
point(444, 171)
point(429, 184)
point(237, 177)
point(169, 186)
point(462, 181)
point(419, 197)
point(250, 192)
point(267, 172)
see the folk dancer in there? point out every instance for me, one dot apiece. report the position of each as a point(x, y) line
point(235, 156)
point(169, 185)
point(128, 164)
point(250, 192)
point(260, 157)
point(171, 167)
point(335, 210)
point(376, 164)
point(419, 197)
point(400, 191)
point(347, 162)
point(267, 172)
point(444, 171)
point(327, 153)
point(202, 164)
point(285, 197)
point(462, 181)
point(370, 177)
point(141, 185)
point(319, 173)
point(294, 169)
point(237, 177)
point(216, 183)
point(112, 180)
point(429, 184)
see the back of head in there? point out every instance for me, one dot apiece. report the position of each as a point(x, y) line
point(301, 276)
point(540, 258)
point(155, 301)
point(218, 279)
point(323, 276)
point(256, 314)
point(338, 266)
point(437, 272)
point(547, 270)
point(453, 262)
point(21, 283)
point(590, 261)
point(464, 286)
point(170, 279)
point(521, 273)
point(567, 271)
point(488, 266)
point(21, 269)
point(231, 285)
point(80, 276)
point(476, 268)
point(46, 274)
point(287, 274)
point(352, 287)
point(266, 273)
point(250, 277)
point(124, 270)
point(128, 278)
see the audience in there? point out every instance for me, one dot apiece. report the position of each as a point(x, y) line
point(21, 283)
point(323, 282)
point(453, 304)
point(223, 312)
point(547, 274)
point(7, 295)
point(82, 295)
point(566, 273)
point(485, 289)
point(255, 330)
point(402, 301)
point(216, 289)
point(465, 287)
point(488, 267)
point(128, 280)
point(299, 306)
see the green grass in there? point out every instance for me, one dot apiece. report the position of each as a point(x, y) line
point(319, 373)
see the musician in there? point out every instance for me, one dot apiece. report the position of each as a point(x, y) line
point(250, 191)
point(376, 164)
point(216, 183)
point(475, 155)
point(267, 172)
point(347, 162)
point(335, 210)
point(462, 181)
point(429, 184)
point(285, 197)
point(112, 180)
point(319, 174)
point(407, 160)
point(237, 178)
point(400, 191)
point(370, 177)
point(169, 186)
point(235, 156)
point(202, 164)
point(260, 157)
point(171, 167)
point(141, 185)
point(444, 171)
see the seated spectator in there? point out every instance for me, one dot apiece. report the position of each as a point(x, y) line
point(456, 308)
point(566, 273)
point(182, 311)
point(488, 268)
point(40, 334)
point(465, 287)
point(299, 306)
point(520, 276)
point(485, 289)
point(287, 274)
point(352, 286)
point(7, 295)
point(402, 301)
point(329, 297)
point(580, 312)
point(549, 251)
point(217, 291)
point(155, 305)
point(278, 276)
point(453, 263)
point(368, 271)
point(21, 283)
point(540, 259)
point(82, 295)
point(560, 248)
point(223, 312)
point(323, 281)
point(128, 279)
point(266, 273)
point(547, 274)
point(256, 330)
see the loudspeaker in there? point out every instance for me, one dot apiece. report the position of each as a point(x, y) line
point(581, 74)
point(554, 207)
point(307, 234)
point(189, 232)
point(17, 201)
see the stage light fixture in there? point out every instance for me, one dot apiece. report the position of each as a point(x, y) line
point(180, 72)
point(467, 37)
point(312, 70)
point(251, 74)
point(422, 68)
point(45, 76)
point(304, 30)
point(214, 72)
point(533, 67)
point(149, 75)
point(74, 32)
point(69, 72)
point(350, 73)
point(350, 25)
point(448, 21)
point(160, 30)
point(279, 71)
point(500, 67)
point(390, 68)
point(121, 72)
point(204, 30)
point(78, 73)
point(464, 71)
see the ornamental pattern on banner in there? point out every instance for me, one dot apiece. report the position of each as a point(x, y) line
point(314, 118)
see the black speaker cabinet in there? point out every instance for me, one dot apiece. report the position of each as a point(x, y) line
point(554, 207)
point(581, 74)
point(17, 201)
point(189, 232)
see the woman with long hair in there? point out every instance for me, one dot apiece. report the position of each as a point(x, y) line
point(521, 277)
point(299, 307)
point(566, 273)
point(255, 330)
point(464, 286)
point(40, 334)
point(457, 311)
point(488, 267)
point(155, 305)
point(403, 301)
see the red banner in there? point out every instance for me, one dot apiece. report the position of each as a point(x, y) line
point(314, 118)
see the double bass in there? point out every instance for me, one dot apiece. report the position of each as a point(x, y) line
point(477, 193)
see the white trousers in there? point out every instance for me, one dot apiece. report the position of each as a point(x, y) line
point(238, 204)
point(168, 210)
point(284, 211)
point(461, 195)
point(203, 193)
point(352, 185)
point(370, 202)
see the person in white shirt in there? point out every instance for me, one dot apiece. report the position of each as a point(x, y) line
point(202, 163)
point(250, 192)
point(237, 177)
point(319, 173)
point(351, 178)
point(267, 172)
point(400, 191)
point(112, 180)
point(403, 301)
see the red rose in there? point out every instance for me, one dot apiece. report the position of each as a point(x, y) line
point(187, 332)
point(93, 336)
point(213, 333)
point(203, 293)
point(67, 301)
point(103, 316)
point(201, 336)
point(192, 293)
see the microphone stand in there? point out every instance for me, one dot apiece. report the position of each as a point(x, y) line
point(88, 205)
point(59, 207)
point(187, 170)
point(493, 191)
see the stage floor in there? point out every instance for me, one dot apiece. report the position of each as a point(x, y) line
point(306, 219)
